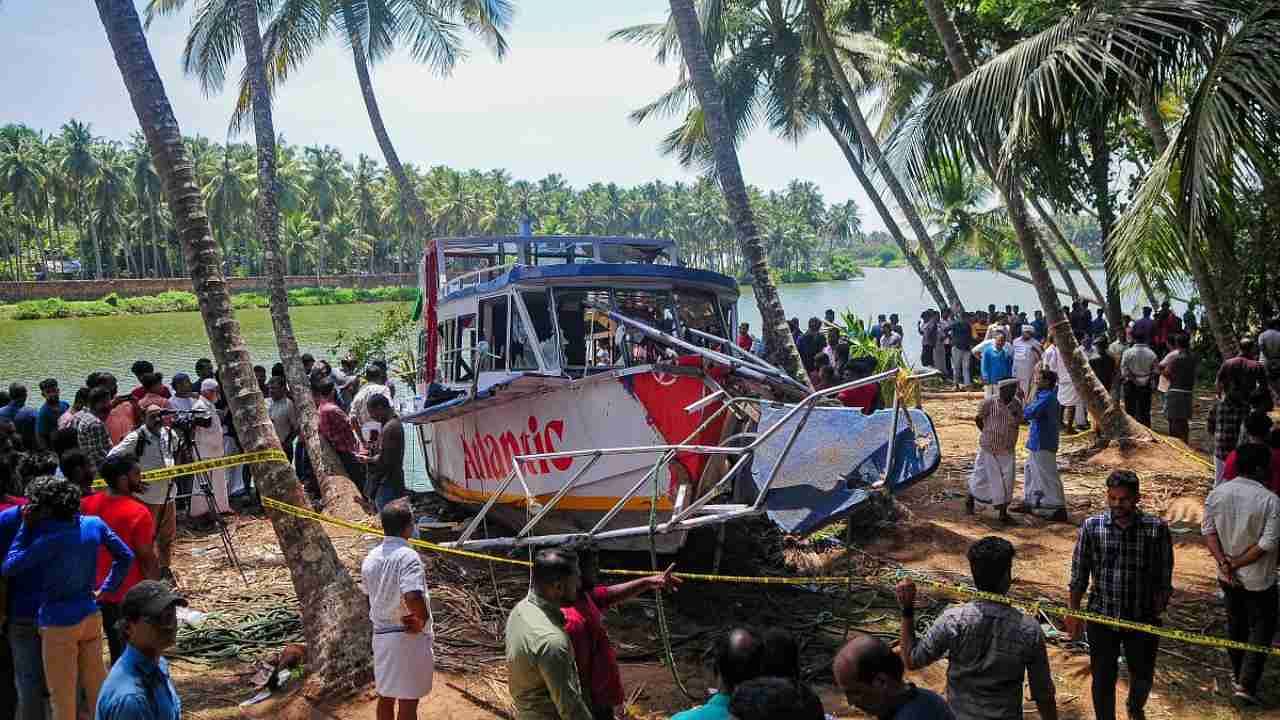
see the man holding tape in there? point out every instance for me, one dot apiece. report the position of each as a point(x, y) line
point(1242, 530)
point(989, 646)
point(1127, 556)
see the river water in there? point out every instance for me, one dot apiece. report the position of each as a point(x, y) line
point(70, 349)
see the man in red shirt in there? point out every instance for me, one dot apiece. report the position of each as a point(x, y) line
point(132, 521)
point(141, 369)
point(584, 624)
point(335, 427)
point(1257, 430)
point(744, 336)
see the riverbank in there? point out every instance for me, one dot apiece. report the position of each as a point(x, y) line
point(930, 537)
point(180, 301)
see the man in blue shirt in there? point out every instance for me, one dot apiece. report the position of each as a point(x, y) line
point(20, 625)
point(50, 411)
point(997, 364)
point(1042, 487)
point(738, 655)
point(54, 534)
point(22, 417)
point(139, 686)
point(1039, 326)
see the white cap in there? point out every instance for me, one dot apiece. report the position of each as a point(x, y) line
point(1007, 381)
point(208, 384)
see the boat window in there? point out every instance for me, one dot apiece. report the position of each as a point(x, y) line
point(462, 338)
point(543, 331)
point(587, 332)
point(701, 311)
point(641, 254)
point(493, 329)
point(560, 251)
point(448, 359)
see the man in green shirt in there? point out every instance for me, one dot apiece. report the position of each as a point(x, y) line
point(542, 674)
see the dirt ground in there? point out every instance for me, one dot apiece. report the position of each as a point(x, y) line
point(1191, 681)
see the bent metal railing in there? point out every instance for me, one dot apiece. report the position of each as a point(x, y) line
point(681, 518)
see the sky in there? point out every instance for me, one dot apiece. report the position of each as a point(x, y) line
point(558, 103)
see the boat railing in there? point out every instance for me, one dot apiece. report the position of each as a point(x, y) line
point(682, 517)
point(475, 277)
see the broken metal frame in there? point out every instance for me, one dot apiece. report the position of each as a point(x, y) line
point(680, 519)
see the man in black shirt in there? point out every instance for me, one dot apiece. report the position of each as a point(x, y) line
point(810, 344)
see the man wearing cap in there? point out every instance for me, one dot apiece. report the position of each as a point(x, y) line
point(153, 445)
point(139, 686)
point(1026, 355)
point(209, 444)
point(998, 420)
point(396, 583)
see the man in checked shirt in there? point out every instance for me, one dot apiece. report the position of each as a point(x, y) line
point(1128, 556)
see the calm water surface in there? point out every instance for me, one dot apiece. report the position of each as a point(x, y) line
point(72, 348)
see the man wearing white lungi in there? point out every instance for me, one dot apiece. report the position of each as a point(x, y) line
point(998, 419)
point(1041, 486)
point(1026, 355)
point(1077, 414)
point(398, 606)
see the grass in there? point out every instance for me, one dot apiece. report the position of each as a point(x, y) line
point(179, 301)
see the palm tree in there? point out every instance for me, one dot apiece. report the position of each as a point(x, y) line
point(1112, 422)
point(22, 178)
point(777, 335)
point(871, 146)
point(146, 190)
point(81, 167)
point(770, 74)
point(334, 610)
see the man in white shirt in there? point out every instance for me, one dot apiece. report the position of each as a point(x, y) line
point(375, 384)
point(396, 584)
point(208, 439)
point(153, 445)
point(1138, 372)
point(1242, 529)
point(1026, 356)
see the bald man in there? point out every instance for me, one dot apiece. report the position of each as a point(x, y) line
point(870, 674)
point(738, 655)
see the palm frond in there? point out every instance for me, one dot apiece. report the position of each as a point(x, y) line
point(662, 36)
point(1044, 79)
point(294, 33)
point(212, 44)
point(434, 38)
point(489, 19)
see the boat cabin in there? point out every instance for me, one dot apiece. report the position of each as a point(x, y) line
point(538, 304)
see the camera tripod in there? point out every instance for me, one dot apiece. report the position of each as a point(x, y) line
point(203, 487)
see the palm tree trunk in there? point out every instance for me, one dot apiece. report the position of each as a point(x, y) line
point(416, 209)
point(334, 610)
point(339, 494)
point(777, 335)
point(97, 249)
point(891, 225)
point(871, 147)
point(1110, 420)
point(1070, 250)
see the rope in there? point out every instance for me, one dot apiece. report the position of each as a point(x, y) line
point(663, 630)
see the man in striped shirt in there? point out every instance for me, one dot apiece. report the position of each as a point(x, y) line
point(998, 420)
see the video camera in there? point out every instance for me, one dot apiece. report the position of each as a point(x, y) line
point(186, 421)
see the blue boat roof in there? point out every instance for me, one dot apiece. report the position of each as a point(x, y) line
point(588, 271)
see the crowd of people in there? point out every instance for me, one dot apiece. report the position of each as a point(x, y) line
point(110, 539)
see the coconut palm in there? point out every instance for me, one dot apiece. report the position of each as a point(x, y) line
point(978, 141)
point(777, 335)
point(81, 167)
point(1108, 58)
point(22, 178)
point(770, 74)
point(334, 611)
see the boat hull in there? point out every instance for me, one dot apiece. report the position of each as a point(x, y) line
point(472, 453)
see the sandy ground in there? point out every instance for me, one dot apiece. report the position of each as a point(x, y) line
point(933, 537)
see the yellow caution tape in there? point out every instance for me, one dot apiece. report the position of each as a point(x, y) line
point(370, 530)
point(227, 461)
point(1032, 609)
point(1185, 453)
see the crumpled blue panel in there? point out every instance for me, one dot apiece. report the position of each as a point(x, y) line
point(837, 458)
